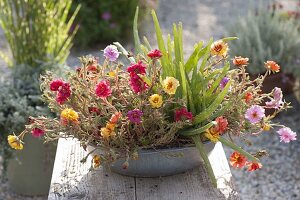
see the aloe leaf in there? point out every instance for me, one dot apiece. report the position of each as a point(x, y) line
point(206, 56)
point(147, 44)
point(125, 52)
point(229, 38)
point(218, 80)
point(137, 42)
point(193, 59)
point(238, 149)
point(197, 131)
point(204, 156)
point(161, 44)
point(212, 108)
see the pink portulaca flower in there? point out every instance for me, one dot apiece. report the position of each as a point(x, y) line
point(286, 135)
point(154, 54)
point(37, 132)
point(255, 113)
point(276, 102)
point(111, 53)
point(102, 89)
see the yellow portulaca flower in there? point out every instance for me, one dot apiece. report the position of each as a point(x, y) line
point(69, 115)
point(156, 100)
point(96, 161)
point(219, 48)
point(112, 74)
point(108, 131)
point(212, 135)
point(14, 142)
point(170, 85)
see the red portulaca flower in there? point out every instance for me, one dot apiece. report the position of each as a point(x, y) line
point(55, 84)
point(136, 83)
point(183, 114)
point(252, 166)
point(102, 89)
point(37, 132)
point(237, 160)
point(64, 92)
point(154, 54)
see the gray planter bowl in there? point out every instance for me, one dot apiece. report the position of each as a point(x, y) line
point(162, 162)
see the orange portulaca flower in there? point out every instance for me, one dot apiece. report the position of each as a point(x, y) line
point(237, 160)
point(240, 61)
point(272, 66)
point(219, 48)
point(252, 166)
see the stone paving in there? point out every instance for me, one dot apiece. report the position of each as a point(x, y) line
point(280, 178)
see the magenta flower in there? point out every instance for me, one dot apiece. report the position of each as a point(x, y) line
point(182, 114)
point(55, 84)
point(135, 116)
point(286, 135)
point(64, 92)
point(136, 83)
point(36, 132)
point(102, 89)
point(255, 113)
point(111, 53)
point(276, 102)
point(106, 16)
point(224, 82)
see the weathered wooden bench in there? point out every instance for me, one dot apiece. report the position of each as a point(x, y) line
point(72, 180)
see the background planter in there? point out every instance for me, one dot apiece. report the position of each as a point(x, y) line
point(161, 162)
point(29, 171)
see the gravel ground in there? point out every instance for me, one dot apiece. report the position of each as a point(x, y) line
point(279, 179)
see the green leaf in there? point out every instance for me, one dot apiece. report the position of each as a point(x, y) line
point(218, 80)
point(207, 112)
point(197, 131)
point(161, 45)
point(206, 56)
point(238, 149)
point(204, 156)
point(147, 44)
point(137, 42)
point(183, 83)
point(229, 38)
point(124, 52)
point(193, 59)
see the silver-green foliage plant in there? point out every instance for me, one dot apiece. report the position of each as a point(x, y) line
point(37, 30)
point(266, 35)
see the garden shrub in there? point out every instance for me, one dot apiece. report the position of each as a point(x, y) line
point(267, 35)
point(106, 21)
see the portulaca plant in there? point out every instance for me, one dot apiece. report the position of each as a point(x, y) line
point(159, 100)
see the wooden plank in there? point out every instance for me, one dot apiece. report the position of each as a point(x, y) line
point(72, 179)
point(193, 185)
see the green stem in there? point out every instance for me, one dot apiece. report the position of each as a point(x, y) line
point(238, 149)
point(204, 156)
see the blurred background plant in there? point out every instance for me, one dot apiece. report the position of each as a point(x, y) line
point(106, 21)
point(265, 34)
point(39, 39)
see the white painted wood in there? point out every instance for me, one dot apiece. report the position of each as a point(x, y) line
point(72, 180)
